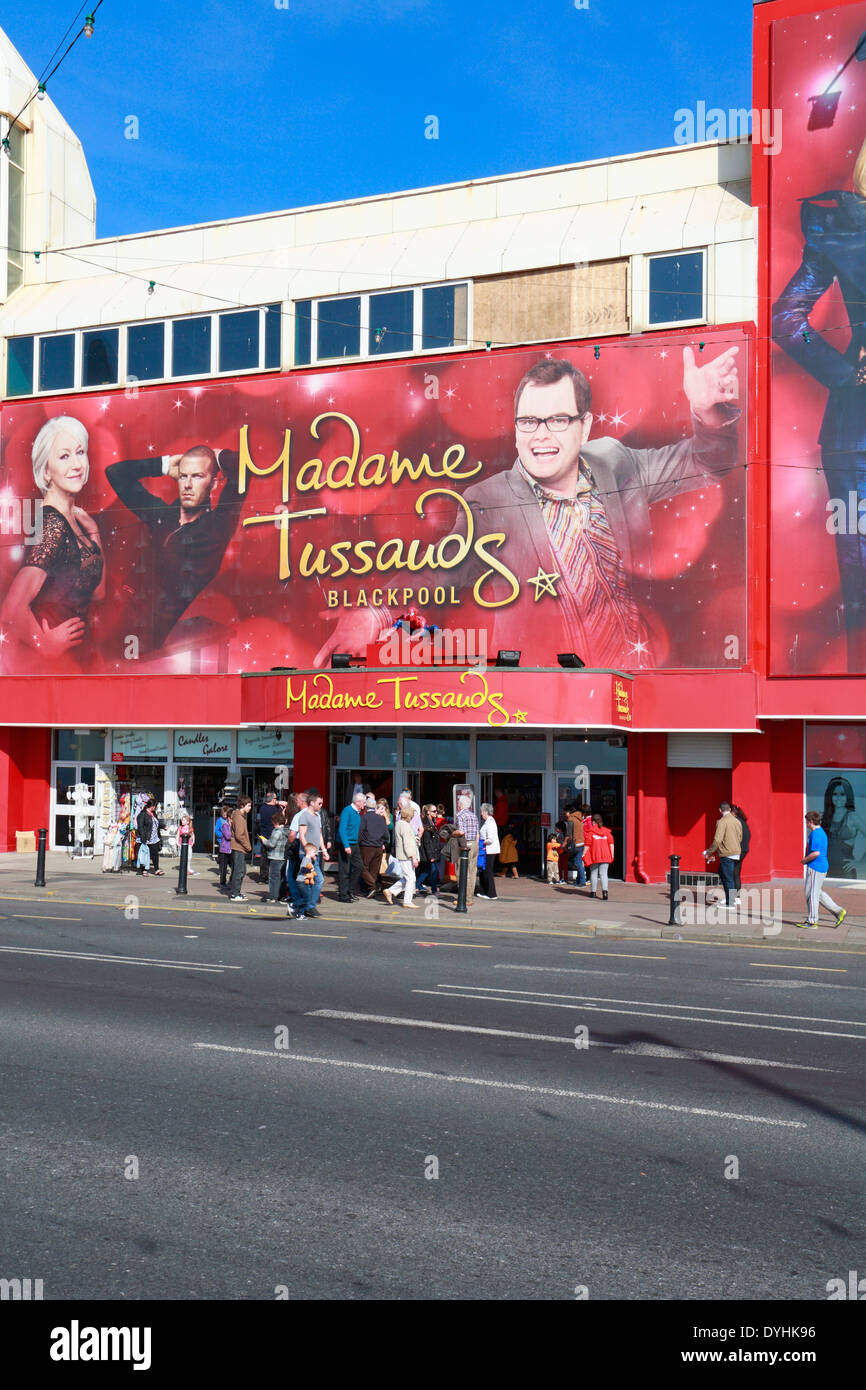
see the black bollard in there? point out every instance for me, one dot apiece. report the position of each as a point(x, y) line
point(39, 881)
point(182, 868)
point(674, 918)
point(462, 879)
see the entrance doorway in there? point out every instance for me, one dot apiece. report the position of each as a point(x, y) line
point(379, 781)
point(606, 797)
point(516, 798)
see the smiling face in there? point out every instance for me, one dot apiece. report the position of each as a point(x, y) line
point(840, 797)
point(195, 479)
point(551, 458)
point(67, 463)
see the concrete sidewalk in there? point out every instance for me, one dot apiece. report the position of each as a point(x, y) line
point(767, 914)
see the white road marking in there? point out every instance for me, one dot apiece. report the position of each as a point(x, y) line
point(825, 969)
point(505, 1085)
point(119, 960)
point(641, 1013)
point(658, 1004)
point(634, 1049)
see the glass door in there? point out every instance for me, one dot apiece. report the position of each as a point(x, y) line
point(74, 815)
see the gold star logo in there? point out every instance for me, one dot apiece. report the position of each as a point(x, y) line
point(520, 716)
point(544, 584)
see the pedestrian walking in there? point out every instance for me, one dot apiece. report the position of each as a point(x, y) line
point(430, 846)
point(350, 864)
point(373, 840)
point(264, 825)
point(817, 865)
point(406, 852)
point(223, 831)
point(574, 823)
point(598, 849)
point(744, 848)
point(275, 847)
point(727, 843)
point(467, 826)
point(508, 855)
point(293, 854)
point(311, 836)
point(240, 849)
point(489, 834)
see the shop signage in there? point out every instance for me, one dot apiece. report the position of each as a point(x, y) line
point(622, 700)
point(194, 745)
point(466, 698)
point(343, 497)
point(139, 745)
point(277, 745)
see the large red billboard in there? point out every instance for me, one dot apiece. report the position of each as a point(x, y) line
point(565, 498)
point(816, 174)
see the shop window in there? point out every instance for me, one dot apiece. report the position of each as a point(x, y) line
point(145, 352)
point(428, 752)
point(57, 362)
point(99, 349)
point(516, 754)
point(366, 750)
point(598, 754)
point(79, 747)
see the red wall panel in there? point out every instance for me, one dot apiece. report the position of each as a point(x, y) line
point(694, 794)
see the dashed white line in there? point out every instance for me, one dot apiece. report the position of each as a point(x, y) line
point(525, 1088)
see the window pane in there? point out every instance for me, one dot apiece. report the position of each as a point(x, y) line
point(303, 327)
point(99, 357)
point(512, 754)
point(145, 351)
point(444, 316)
point(19, 366)
point(676, 285)
point(339, 328)
point(190, 347)
point(239, 341)
point(16, 145)
point(391, 322)
point(77, 747)
point(273, 334)
point(430, 752)
point(57, 363)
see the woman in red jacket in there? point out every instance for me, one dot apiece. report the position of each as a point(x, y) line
point(597, 854)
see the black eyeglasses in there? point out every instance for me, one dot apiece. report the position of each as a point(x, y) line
point(528, 424)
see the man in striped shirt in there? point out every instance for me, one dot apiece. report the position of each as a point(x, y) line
point(467, 823)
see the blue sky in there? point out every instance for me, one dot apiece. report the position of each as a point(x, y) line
point(247, 107)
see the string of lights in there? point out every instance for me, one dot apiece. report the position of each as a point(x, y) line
point(40, 91)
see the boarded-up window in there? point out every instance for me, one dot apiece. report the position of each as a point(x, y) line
point(538, 305)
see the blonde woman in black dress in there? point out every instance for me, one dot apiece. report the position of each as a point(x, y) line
point(48, 603)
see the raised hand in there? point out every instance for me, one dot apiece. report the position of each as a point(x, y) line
point(57, 640)
point(712, 389)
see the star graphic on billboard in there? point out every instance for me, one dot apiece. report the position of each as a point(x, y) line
point(544, 584)
point(520, 716)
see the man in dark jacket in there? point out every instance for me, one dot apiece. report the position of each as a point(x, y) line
point(372, 841)
point(189, 536)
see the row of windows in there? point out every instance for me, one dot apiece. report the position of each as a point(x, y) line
point(207, 345)
point(376, 325)
point(424, 319)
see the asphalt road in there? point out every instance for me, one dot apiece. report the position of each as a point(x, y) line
point(210, 1107)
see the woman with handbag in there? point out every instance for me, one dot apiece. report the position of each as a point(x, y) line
point(406, 851)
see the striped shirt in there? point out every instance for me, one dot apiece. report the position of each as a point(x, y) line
point(467, 824)
point(596, 594)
